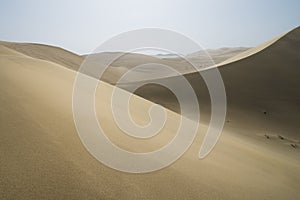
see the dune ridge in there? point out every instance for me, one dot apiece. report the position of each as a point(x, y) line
point(125, 61)
point(42, 156)
point(263, 79)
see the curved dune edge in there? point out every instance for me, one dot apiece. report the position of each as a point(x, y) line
point(42, 156)
point(252, 51)
point(265, 80)
point(73, 61)
point(238, 58)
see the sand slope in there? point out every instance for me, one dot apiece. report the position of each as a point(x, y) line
point(43, 158)
point(216, 56)
point(262, 79)
point(125, 61)
point(46, 52)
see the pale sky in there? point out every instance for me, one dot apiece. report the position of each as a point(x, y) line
point(80, 26)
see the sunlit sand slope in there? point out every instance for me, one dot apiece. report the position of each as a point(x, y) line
point(43, 158)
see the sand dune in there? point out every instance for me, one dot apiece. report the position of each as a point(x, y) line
point(124, 63)
point(261, 79)
point(216, 56)
point(48, 53)
point(43, 158)
point(73, 61)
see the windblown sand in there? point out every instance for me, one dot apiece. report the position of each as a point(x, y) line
point(42, 157)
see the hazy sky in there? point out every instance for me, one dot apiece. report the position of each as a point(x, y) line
point(81, 26)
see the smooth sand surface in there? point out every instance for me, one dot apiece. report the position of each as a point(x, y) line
point(124, 61)
point(46, 52)
point(262, 88)
point(208, 57)
point(43, 158)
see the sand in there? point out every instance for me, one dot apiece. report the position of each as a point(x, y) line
point(125, 61)
point(42, 156)
point(201, 58)
point(262, 79)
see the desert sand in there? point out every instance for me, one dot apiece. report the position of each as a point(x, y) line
point(125, 61)
point(262, 87)
point(42, 156)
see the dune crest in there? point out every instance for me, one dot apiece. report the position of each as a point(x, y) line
point(42, 156)
point(260, 80)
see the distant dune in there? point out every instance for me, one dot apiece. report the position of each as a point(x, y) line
point(42, 156)
point(206, 58)
point(125, 61)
